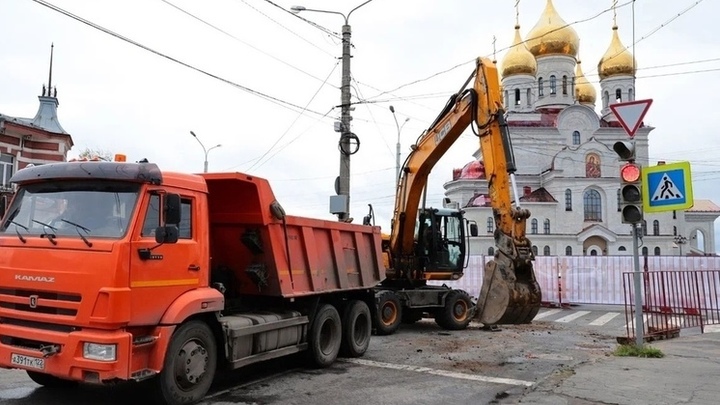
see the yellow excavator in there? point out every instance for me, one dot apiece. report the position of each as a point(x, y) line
point(432, 243)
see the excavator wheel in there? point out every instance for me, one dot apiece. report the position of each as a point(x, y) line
point(388, 313)
point(457, 312)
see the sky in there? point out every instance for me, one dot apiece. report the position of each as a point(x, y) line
point(264, 83)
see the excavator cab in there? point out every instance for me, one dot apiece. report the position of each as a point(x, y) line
point(442, 243)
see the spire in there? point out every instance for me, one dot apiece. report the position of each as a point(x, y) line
point(518, 60)
point(46, 116)
point(52, 48)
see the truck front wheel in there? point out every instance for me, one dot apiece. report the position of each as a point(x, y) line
point(325, 336)
point(189, 365)
point(357, 328)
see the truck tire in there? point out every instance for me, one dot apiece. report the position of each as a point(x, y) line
point(325, 336)
point(357, 328)
point(457, 312)
point(388, 312)
point(50, 381)
point(189, 366)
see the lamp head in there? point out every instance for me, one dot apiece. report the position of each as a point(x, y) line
point(392, 109)
point(193, 134)
point(297, 9)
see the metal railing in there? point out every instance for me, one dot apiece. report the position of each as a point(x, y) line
point(673, 300)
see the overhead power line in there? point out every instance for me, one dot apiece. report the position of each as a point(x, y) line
point(275, 100)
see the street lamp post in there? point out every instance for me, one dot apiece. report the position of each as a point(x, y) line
point(680, 241)
point(206, 151)
point(346, 137)
point(397, 146)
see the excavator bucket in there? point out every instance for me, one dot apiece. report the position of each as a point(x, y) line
point(510, 293)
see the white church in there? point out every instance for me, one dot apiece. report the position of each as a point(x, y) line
point(568, 173)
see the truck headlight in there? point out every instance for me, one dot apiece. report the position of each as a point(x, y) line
point(101, 352)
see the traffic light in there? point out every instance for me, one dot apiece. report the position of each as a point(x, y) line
point(630, 183)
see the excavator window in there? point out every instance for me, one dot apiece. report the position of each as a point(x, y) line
point(442, 242)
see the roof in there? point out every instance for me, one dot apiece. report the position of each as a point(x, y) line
point(704, 206)
point(539, 195)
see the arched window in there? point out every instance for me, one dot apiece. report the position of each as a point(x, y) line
point(534, 250)
point(568, 200)
point(593, 252)
point(491, 251)
point(564, 85)
point(618, 95)
point(631, 95)
point(606, 99)
point(644, 228)
point(657, 251)
point(490, 225)
point(529, 98)
point(656, 228)
point(592, 206)
point(546, 226)
point(618, 200)
point(622, 248)
point(546, 251)
point(674, 214)
point(645, 251)
point(572, 85)
point(576, 137)
point(517, 96)
point(568, 250)
point(540, 87)
point(674, 230)
point(553, 85)
point(534, 226)
point(507, 99)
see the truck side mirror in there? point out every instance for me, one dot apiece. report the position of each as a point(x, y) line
point(172, 210)
point(166, 234)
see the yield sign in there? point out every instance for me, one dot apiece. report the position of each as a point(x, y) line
point(631, 113)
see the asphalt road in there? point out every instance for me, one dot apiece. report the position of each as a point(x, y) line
point(421, 364)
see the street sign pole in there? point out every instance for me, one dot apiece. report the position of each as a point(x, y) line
point(639, 327)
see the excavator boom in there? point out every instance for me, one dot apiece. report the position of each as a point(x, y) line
point(510, 293)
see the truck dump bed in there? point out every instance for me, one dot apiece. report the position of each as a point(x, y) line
point(257, 250)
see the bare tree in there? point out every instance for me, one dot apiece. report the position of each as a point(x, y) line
point(90, 154)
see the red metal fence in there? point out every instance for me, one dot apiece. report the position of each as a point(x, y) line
point(672, 300)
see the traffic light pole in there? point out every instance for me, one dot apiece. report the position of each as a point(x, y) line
point(639, 338)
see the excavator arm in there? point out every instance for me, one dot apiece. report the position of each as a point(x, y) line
point(510, 293)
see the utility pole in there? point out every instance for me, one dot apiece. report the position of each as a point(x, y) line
point(349, 142)
point(397, 146)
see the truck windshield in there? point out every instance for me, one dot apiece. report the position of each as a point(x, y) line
point(66, 208)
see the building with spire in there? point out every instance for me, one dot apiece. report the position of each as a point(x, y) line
point(37, 140)
point(567, 170)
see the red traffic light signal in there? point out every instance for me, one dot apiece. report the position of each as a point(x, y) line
point(630, 193)
point(630, 173)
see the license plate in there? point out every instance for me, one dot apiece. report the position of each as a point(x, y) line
point(37, 363)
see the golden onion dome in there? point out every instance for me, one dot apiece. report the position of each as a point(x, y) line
point(518, 60)
point(552, 35)
point(617, 59)
point(584, 91)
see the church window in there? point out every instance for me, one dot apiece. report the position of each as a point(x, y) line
point(622, 249)
point(540, 87)
point(657, 251)
point(491, 251)
point(592, 166)
point(593, 205)
point(572, 85)
point(606, 99)
point(593, 253)
point(568, 250)
point(631, 95)
point(546, 226)
point(534, 226)
point(507, 99)
point(674, 214)
point(618, 96)
point(656, 228)
point(564, 85)
point(534, 250)
point(568, 200)
point(490, 225)
point(674, 230)
point(576, 138)
point(553, 85)
point(546, 251)
point(517, 96)
point(644, 228)
point(528, 97)
point(645, 251)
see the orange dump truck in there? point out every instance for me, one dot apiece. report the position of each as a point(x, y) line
point(118, 271)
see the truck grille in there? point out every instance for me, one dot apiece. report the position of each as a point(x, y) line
point(40, 302)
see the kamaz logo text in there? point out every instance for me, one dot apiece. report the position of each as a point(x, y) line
point(37, 279)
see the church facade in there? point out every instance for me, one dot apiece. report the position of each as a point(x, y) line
point(563, 132)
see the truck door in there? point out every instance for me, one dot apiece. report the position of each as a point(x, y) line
point(171, 269)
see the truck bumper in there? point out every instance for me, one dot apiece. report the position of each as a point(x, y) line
point(61, 354)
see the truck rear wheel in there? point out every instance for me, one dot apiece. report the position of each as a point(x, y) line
point(50, 381)
point(388, 312)
point(457, 312)
point(357, 328)
point(325, 336)
point(189, 366)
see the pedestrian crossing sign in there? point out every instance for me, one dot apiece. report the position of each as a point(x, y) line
point(667, 187)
